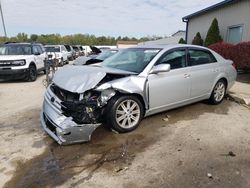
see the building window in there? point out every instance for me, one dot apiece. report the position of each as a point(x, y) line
point(234, 34)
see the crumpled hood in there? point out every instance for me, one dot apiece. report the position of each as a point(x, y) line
point(81, 60)
point(13, 57)
point(78, 79)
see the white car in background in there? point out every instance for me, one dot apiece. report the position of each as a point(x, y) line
point(58, 52)
point(21, 61)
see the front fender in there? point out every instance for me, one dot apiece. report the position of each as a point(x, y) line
point(129, 85)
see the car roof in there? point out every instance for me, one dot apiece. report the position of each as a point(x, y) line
point(21, 43)
point(169, 46)
point(51, 45)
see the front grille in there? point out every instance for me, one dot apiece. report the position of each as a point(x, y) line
point(64, 95)
point(5, 63)
point(49, 125)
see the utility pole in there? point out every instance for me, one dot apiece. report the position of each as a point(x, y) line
point(1, 10)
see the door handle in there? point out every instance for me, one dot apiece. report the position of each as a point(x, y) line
point(186, 75)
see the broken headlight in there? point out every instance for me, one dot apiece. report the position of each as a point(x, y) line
point(106, 95)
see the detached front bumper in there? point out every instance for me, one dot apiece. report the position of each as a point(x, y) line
point(61, 128)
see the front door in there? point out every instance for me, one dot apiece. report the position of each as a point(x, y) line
point(173, 87)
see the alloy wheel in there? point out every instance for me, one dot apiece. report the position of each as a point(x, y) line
point(219, 91)
point(128, 114)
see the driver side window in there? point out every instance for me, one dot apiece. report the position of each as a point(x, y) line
point(176, 59)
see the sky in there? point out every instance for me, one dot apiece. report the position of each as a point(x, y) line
point(133, 18)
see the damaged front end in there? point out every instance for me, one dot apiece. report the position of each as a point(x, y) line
point(75, 102)
point(71, 117)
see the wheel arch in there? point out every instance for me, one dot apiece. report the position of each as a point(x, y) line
point(138, 96)
point(220, 77)
point(225, 80)
point(32, 63)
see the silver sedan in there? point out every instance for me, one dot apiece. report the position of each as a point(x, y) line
point(130, 85)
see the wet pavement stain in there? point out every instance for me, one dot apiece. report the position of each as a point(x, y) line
point(106, 151)
point(38, 144)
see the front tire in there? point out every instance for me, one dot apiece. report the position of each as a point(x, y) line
point(218, 93)
point(124, 113)
point(31, 74)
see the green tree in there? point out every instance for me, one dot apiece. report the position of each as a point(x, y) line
point(76, 39)
point(22, 37)
point(33, 37)
point(182, 41)
point(197, 39)
point(213, 34)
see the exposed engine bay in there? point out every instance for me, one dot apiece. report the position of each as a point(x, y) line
point(85, 108)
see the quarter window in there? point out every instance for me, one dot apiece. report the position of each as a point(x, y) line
point(63, 48)
point(200, 57)
point(176, 59)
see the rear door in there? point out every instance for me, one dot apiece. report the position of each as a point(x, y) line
point(64, 53)
point(42, 55)
point(203, 71)
point(38, 59)
point(173, 87)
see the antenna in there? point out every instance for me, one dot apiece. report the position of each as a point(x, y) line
point(5, 33)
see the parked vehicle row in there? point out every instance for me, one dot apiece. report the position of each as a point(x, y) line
point(92, 59)
point(26, 60)
point(58, 52)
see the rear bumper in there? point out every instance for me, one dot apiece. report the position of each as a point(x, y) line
point(8, 73)
point(61, 128)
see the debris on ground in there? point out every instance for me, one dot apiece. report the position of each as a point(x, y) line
point(209, 175)
point(121, 169)
point(114, 131)
point(246, 106)
point(230, 154)
point(166, 118)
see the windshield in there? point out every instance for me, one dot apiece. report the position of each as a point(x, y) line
point(75, 48)
point(15, 50)
point(132, 59)
point(52, 49)
point(68, 48)
point(106, 54)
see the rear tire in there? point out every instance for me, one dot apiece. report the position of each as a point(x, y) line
point(218, 92)
point(124, 113)
point(62, 62)
point(31, 74)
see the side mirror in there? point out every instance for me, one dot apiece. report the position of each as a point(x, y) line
point(37, 53)
point(160, 68)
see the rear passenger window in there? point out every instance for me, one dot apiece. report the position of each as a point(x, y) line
point(39, 49)
point(176, 59)
point(200, 57)
point(35, 50)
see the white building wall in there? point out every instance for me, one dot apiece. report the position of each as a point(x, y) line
point(234, 14)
